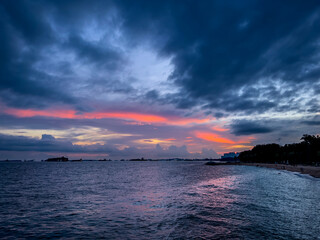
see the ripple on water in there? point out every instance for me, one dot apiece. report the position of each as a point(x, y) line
point(156, 200)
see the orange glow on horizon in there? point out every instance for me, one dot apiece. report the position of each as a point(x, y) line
point(170, 139)
point(187, 121)
point(152, 141)
point(124, 115)
point(87, 143)
point(133, 116)
point(219, 129)
point(239, 146)
point(192, 144)
point(246, 140)
point(22, 113)
point(83, 155)
point(213, 137)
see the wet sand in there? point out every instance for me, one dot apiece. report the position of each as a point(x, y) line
point(311, 170)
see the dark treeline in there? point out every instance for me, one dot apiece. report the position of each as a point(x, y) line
point(305, 152)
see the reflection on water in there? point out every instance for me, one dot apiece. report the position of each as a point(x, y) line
point(152, 200)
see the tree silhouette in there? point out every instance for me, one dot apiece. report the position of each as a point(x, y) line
point(305, 152)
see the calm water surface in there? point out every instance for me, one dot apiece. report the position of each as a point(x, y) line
point(156, 200)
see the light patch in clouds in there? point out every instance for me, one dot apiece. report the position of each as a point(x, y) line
point(150, 71)
point(85, 143)
point(153, 141)
point(244, 24)
point(32, 133)
point(78, 136)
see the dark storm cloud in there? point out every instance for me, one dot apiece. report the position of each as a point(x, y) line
point(27, 20)
point(312, 123)
point(28, 33)
point(95, 53)
point(21, 143)
point(249, 128)
point(217, 49)
point(232, 104)
point(181, 100)
point(23, 33)
point(48, 144)
point(315, 121)
point(220, 46)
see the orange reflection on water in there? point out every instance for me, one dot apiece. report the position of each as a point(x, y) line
point(218, 190)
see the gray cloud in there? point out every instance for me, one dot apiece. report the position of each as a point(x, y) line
point(52, 145)
point(95, 53)
point(213, 54)
point(315, 121)
point(34, 73)
point(227, 58)
point(312, 123)
point(222, 49)
point(249, 128)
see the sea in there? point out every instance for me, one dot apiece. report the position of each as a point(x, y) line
point(155, 200)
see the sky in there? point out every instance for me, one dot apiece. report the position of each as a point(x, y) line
point(156, 79)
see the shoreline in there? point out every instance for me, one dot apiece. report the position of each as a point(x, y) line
point(304, 169)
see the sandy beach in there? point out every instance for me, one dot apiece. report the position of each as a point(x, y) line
point(311, 170)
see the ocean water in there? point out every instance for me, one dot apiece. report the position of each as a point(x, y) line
point(156, 200)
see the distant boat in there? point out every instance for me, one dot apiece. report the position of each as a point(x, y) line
point(76, 160)
point(215, 163)
point(138, 159)
point(60, 159)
